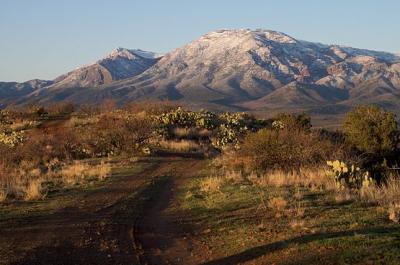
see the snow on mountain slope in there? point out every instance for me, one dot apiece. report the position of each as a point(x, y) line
point(255, 69)
point(261, 68)
point(119, 64)
point(10, 92)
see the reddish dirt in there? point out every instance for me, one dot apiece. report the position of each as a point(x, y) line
point(165, 234)
point(133, 220)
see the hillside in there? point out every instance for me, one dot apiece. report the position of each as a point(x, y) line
point(258, 70)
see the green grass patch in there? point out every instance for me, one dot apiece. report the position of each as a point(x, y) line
point(239, 222)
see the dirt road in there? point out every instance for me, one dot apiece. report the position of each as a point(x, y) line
point(133, 220)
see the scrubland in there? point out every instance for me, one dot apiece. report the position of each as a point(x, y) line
point(273, 188)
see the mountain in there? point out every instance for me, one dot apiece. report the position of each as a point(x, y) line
point(120, 64)
point(246, 69)
point(261, 69)
point(12, 91)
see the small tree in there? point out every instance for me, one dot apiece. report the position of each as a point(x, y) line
point(371, 130)
point(294, 122)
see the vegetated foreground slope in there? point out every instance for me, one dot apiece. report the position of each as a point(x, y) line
point(167, 211)
point(272, 191)
point(257, 70)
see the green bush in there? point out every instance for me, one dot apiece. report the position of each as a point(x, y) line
point(371, 130)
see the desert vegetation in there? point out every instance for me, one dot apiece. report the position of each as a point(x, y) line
point(43, 144)
point(358, 163)
point(281, 170)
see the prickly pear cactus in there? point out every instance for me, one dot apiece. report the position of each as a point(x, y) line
point(12, 139)
point(347, 176)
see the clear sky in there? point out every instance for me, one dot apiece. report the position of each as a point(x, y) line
point(46, 38)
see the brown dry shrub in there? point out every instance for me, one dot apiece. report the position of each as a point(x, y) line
point(115, 134)
point(151, 107)
point(286, 149)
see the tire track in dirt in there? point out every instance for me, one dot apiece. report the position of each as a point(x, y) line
point(160, 233)
point(108, 226)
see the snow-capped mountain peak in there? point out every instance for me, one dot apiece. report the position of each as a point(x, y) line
point(258, 34)
point(254, 69)
point(132, 53)
point(272, 35)
point(119, 64)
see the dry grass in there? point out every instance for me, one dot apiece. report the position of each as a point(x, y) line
point(310, 178)
point(298, 195)
point(184, 132)
point(191, 133)
point(78, 171)
point(26, 183)
point(81, 121)
point(24, 187)
point(3, 195)
point(215, 183)
point(277, 204)
point(24, 125)
point(74, 173)
point(212, 184)
point(34, 190)
point(297, 210)
point(387, 196)
point(341, 196)
point(234, 176)
point(181, 146)
point(394, 212)
point(297, 224)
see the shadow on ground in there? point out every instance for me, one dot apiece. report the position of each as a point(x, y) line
point(257, 252)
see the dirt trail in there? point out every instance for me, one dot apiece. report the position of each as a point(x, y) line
point(129, 221)
point(163, 233)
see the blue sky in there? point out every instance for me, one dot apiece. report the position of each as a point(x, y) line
point(46, 38)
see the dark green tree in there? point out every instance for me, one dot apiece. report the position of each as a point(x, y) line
point(371, 130)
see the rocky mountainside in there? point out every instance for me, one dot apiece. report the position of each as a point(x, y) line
point(267, 69)
point(250, 69)
point(120, 64)
point(13, 91)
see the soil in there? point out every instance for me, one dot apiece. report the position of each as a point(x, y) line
point(132, 220)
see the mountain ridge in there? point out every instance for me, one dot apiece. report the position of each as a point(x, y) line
point(252, 69)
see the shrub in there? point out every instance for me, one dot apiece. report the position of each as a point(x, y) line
point(285, 149)
point(61, 109)
point(227, 129)
point(233, 127)
point(371, 130)
point(116, 133)
point(11, 139)
point(293, 122)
